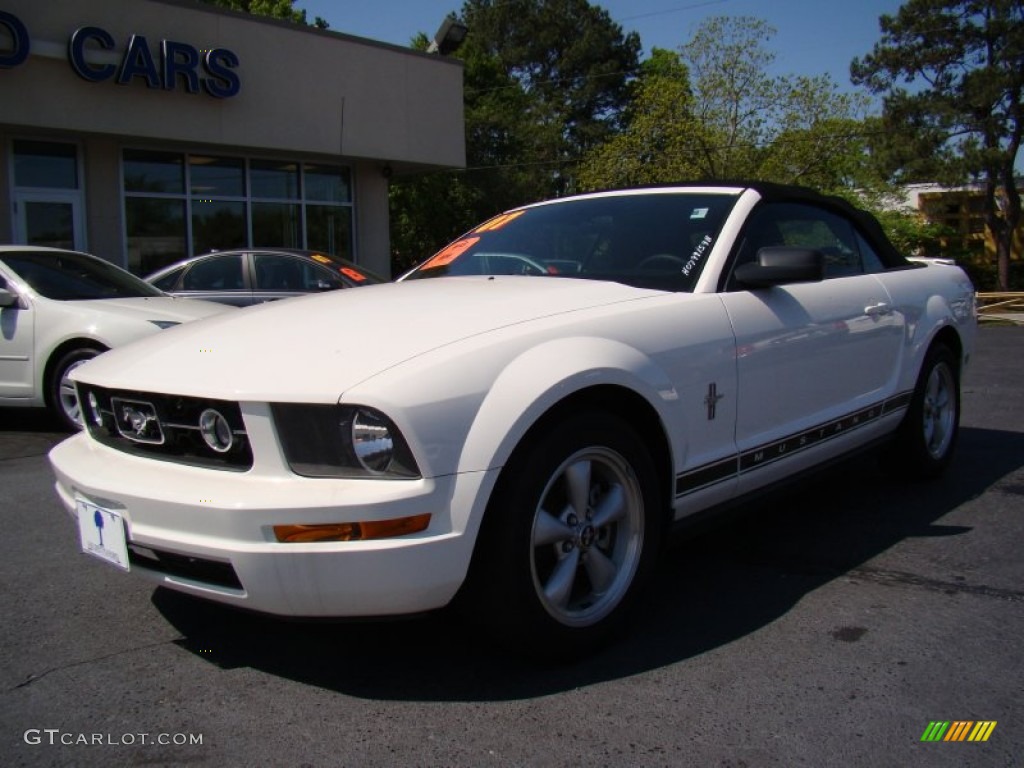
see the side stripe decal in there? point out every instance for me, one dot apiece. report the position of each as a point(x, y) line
point(732, 466)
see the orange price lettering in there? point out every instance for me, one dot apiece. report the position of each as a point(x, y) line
point(498, 221)
point(451, 253)
point(349, 272)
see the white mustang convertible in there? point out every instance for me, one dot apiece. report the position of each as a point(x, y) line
point(519, 420)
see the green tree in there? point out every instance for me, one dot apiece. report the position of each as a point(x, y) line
point(543, 79)
point(570, 66)
point(656, 144)
point(965, 61)
point(277, 9)
point(713, 112)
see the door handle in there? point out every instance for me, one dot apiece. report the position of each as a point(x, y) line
point(877, 310)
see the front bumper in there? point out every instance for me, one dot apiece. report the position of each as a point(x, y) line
point(206, 524)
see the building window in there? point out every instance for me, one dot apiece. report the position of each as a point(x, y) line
point(45, 165)
point(47, 194)
point(217, 225)
point(327, 183)
point(276, 225)
point(276, 206)
point(156, 232)
point(179, 205)
point(274, 180)
point(154, 172)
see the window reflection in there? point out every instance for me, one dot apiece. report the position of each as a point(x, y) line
point(217, 225)
point(231, 203)
point(146, 171)
point(216, 176)
point(328, 229)
point(156, 233)
point(269, 179)
point(45, 164)
point(327, 183)
point(276, 224)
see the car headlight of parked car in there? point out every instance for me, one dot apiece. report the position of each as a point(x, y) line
point(342, 441)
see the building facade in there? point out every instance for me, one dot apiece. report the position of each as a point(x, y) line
point(961, 212)
point(145, 131)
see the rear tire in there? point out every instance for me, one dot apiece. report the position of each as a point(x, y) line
point(927, 437)
point(570, 534)
point(60, 390)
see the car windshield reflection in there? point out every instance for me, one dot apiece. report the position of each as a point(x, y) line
point(74, 277)
point(652, 241)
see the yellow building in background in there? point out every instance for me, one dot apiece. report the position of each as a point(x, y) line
point(961, 210)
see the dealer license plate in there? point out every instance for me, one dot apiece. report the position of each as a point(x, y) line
point(102, 533)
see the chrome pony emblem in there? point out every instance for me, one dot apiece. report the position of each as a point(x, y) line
point(137, 421)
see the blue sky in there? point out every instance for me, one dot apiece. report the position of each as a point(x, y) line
point(813, 36)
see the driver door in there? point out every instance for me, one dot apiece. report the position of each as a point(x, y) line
point(810, 356)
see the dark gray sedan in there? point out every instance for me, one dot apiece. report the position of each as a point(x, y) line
point(254, 275)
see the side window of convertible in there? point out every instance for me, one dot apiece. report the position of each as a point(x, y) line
point(805, 226)
point(869, 257)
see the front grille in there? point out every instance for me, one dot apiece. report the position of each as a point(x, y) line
point(213, 572)
point(165, 427)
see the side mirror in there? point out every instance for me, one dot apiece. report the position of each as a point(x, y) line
point(8, 299)
point(780, 264)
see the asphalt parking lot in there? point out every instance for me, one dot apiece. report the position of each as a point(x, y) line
point(827, 625)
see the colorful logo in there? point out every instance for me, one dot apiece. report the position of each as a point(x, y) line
point(958, 730)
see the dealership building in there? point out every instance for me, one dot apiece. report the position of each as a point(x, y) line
point(145, 131)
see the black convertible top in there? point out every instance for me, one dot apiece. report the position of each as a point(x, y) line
point(865, 221)
point(769, 191)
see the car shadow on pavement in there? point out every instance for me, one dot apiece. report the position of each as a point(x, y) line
point(731, 579)
point(28, 432)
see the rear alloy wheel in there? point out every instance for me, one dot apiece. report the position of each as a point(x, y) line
point(63, 398)
point(927, 437)
point(570, 534)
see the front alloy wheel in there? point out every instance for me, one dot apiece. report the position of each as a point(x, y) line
point(571, 532)
point(587, 537)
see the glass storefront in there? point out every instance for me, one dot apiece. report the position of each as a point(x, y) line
point(47, 194)
point(179, 205)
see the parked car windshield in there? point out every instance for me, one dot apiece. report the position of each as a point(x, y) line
point(72, 276)
point(656, 240)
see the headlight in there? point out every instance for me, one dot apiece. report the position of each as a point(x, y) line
point(372, 441)
point(342, 441)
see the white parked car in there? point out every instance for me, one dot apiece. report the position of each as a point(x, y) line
point(60, 308)
point(520, 419)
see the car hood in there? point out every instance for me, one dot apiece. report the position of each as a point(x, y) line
point(314, 348)
point(165, 308)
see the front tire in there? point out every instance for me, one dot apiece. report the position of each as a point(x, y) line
point(570, 534)
point(926, 438)
point(61, 395)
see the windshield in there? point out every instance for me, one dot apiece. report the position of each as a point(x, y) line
point(67, 276)
point(650, 240)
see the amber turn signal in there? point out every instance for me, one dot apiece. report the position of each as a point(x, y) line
point(373, 529)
